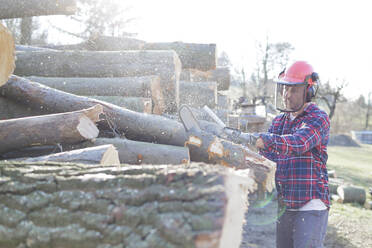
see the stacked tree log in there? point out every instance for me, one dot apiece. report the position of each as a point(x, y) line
point(200, 79)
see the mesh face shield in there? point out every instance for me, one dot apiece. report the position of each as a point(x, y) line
point(290, 97)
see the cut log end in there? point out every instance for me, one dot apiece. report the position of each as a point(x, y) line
point(237, 185)
point(352, 194)
point(7, 63)
point(87, 128)
point(111, 156)
point(94, 112)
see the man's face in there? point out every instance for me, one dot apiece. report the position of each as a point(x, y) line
point(293, 97)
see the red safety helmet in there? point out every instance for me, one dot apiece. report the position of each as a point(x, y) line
point(299, 74)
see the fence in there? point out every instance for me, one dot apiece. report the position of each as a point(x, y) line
point(364, 137)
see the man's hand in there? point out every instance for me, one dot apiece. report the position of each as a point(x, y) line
point(249, 138)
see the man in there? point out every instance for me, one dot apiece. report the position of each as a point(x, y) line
point(297, 141)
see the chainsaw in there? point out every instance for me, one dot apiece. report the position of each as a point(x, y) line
point(235, 135)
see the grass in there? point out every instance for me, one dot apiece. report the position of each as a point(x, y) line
point(349, 224)
point(353, 164)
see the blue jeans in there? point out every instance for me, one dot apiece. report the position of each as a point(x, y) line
point(305, 229)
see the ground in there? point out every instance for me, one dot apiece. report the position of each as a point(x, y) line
point(349, 225)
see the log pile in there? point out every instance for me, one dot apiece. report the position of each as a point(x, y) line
point(198, 62)
point(68, 146)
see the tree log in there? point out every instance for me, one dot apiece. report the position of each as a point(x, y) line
point(138, 104)
point(207, 148)
point(352, 194)
point(59, 205)
point(102, 43)
point(134, 125)
point(135, 152)
point(103, 154)
point(25, 48)
point(198, 94)
point(164, 64)
point(332, 174)
point(221, 75)
point(147, 86)
point(196, 56)
point(333, 187)
point(10, 109)
point(7, 53)
point(32, 151)
point(69, 127)
point(28, 8)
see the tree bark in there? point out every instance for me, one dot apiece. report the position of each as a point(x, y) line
point(103, 154)
point(221, 75)
point(193, 56)
point(352, 194)
point(7, 54)
point(103, 43)
point(11, 109)
point(59, 205)
point(198, 94)
point(138, 104)
point(28, 8)
point(146, 86)
point(32, 151)
point(69, 127)
point(135, 152)
point(164, 64)
point(23, 48)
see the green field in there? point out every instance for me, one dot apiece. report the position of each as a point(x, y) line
point(349, 224)
point(353, 164)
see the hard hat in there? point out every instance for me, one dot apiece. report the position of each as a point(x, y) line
point(299, 72)
point(301, 77)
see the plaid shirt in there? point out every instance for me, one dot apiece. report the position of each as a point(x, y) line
point(299, 148)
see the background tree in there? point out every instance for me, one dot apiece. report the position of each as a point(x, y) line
point(224, 60)
point(99, 18)
point(26, 31)
point(368, 110)
point(331, 95)
point(271, 59)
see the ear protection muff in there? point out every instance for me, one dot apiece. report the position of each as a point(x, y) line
point(312, 90)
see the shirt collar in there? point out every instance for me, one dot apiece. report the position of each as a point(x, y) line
point(309, 106)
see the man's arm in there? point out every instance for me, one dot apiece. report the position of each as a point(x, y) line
point(303, 139)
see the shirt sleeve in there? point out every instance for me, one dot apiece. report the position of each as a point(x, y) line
point(308, 135)
point(268, 153)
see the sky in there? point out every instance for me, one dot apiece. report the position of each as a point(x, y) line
point(334, 36)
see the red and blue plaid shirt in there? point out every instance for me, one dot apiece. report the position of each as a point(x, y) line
point(299, 148)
